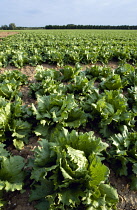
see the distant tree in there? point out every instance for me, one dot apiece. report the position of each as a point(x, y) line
point(4, 27)
point(12, 26)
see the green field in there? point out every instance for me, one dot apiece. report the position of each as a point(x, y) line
point(84, 118)
point(68, 47)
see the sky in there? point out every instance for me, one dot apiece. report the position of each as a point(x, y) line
point(39, 13)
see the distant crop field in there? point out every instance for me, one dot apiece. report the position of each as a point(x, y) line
point(63, 47)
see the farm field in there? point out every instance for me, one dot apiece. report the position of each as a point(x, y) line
point(68, 120)
point(63, 47)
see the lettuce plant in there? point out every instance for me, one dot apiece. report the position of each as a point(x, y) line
point(112, 112)
point(10, 81)
point(59, 109)
point(69, 72)
point(123, 155)
point(113, 82)
point(13, 124)
point(68, 173)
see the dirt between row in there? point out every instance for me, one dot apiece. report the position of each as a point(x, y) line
point(20, 201)
point(7, 33)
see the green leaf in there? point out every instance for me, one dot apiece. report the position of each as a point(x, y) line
point(77, 162)
point(110, 192)
point(90, 144)
point(12, 187)
point(41, 191)
point(70, 197)
point(42, 205)
point(75, 118)
point(44, 153)
point(72, 171)
point(135, 168)
point(59, 109)
point(2, 185)
point(97, 171)
point(133, 182)
point(5, 115)
point(38, 173)
point(69, 72)
point(11, 172)
point(3, 152)
point(113, 82)
point(42, 130)
point(18, 144)
point(20, 131)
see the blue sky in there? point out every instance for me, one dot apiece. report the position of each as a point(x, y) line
point(63, 12)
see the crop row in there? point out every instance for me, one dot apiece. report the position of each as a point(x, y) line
point(68, 47)
point(72, 108)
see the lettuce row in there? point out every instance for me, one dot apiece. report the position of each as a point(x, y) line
point(63, 48)
point(68, 173)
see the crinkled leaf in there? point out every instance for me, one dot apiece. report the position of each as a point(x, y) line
point(73, 163)
point(11, 171)
point(75, 118)
point(97, 171)
point(90, 144)
point(70, 197)
point(9, 186)
point(38, 173)
point(20, 129)
point(44, 153)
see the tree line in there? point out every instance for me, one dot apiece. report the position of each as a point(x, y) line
point(12, 26)
point(72, 26)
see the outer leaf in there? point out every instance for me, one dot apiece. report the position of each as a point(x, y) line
point(135, 168)
point(18, 144)
point(43, 205)
point(90, 144)
point(20, 129)
point(44, 154)
point(97, 171)
point(111, 193)
point(12, 187)
point(11, 172)
point(3, 152)
point(133, 182)
point(2, 185)
point(71, 197)
point(42, 190)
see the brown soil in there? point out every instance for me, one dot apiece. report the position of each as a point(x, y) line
point(6, 33)
point(18, 201)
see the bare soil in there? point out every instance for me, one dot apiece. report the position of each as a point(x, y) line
point(6, 33)
point(20, 201)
